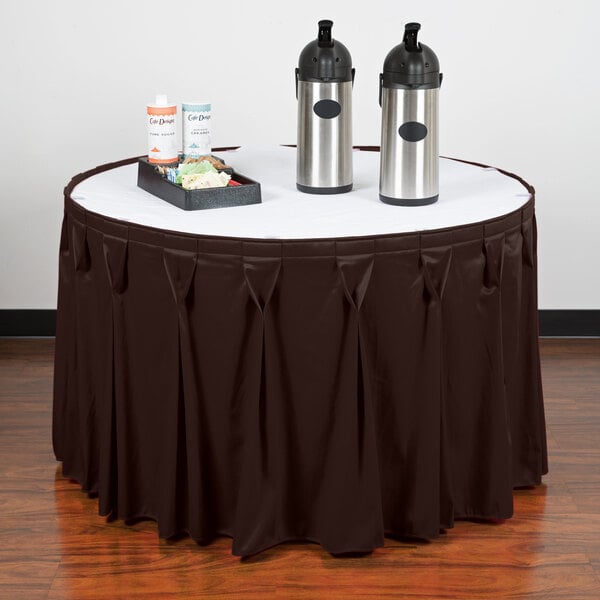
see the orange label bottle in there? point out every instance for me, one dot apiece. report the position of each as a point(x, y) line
point(162, 129)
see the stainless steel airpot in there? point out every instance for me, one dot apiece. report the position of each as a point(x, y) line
point(324, 79)
point(408, 96)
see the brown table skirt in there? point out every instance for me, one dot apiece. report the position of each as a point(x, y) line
point(334, 390)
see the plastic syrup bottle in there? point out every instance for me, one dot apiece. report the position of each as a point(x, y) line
point(196, 128)
point(162, 128)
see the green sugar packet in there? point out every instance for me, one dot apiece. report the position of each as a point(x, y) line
point(194, 169)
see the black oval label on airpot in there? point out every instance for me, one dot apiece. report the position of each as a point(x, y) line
point(327, 109)
point(412, 131)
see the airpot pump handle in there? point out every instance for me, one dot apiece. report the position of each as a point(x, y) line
point(410, 36)
point(325, 40)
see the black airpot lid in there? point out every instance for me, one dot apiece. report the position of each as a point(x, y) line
point(325, 59)
point(411, 64)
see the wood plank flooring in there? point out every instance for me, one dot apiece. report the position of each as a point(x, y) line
point(54, 545)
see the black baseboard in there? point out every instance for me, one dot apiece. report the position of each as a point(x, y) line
point(553, 323)
point(24, 323)
point(569, 323)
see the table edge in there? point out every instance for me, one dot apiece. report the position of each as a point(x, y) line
point(490, 226)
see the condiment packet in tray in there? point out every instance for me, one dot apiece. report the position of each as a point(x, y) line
point(198, 173)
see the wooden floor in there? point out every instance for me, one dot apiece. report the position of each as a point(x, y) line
point(53, 544)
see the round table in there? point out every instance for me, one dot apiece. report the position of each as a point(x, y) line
point(322, 368)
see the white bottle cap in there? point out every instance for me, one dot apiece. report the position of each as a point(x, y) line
point(161, 100)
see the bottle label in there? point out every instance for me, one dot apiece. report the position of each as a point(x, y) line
point(162, 128)
point(196, 129)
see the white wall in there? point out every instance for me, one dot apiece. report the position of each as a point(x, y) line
point(521, 91)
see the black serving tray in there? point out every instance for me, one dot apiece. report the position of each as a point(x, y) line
point(235, 195)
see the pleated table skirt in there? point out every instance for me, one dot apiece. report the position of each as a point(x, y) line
point(336, 391)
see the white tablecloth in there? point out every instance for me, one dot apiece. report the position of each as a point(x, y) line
point(468, 194)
